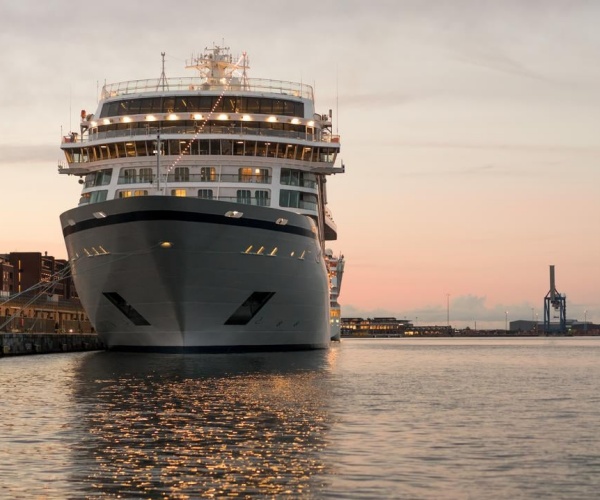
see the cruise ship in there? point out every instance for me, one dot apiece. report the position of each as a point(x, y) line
point(203, 216)
point(335, 269)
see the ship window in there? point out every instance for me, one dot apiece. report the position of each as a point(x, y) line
point(245, 174)
point(278, 106)
point(290, 151)
point(206, 103)
point(244, 196)
point(140, 192)
point(125, 194)
point(262, 198)
point(238, 148)
point(203, 147)
point(306, 153)
point(145, 106)
point(229, 105)
point(226, 147)
point(261, 149)
point(99, 178)
point(297, 199)
point(252, 105)
point(134, 106)
point(182, 174)
point(181, 105)
point(140, 148)
point(250, 148)
point(207, 194)
point(262, 175)
point(266, 106)
point(97, 196)
point(128, 176)
point(299, 178)
point(178, 192)
point(146, 175)
point(208, 174)
point(215, 147)
point(85, 198)
point(168, 105)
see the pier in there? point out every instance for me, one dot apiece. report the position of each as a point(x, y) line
point(15, 344)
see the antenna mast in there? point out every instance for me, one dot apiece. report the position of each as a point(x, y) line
point(162, 81)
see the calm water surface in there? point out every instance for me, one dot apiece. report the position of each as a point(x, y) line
point(403, 418)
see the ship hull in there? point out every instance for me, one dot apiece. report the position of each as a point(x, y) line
point(160, 273)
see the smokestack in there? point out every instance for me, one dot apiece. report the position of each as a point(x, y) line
point(552, 285)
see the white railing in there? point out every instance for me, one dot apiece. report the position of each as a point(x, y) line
point(201, 84)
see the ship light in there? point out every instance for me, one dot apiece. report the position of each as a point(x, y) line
point(223, 116)
point(106, 121)
point(197, 116)
point(151, 118)
point(246, 118)
point(272, 119)
point(126, 119)
point(94, 124)
point(234, 214)
point(295, 121)
point(311, 123)
point(166, 244)
point(99, 215)
point(173, 116)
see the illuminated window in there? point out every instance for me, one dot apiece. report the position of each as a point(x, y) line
point(245, 174)
point(125, 194)
point(140, 192)
point(178, 192)
point(208, 174)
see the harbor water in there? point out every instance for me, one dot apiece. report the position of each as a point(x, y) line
point(506, 418)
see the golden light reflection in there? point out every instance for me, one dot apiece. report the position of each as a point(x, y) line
point(207, 426)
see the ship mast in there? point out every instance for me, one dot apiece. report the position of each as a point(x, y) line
point(217, 66)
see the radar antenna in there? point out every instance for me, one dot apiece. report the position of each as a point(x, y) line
point(217, 67)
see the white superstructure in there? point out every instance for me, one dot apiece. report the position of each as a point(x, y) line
point(202, 219)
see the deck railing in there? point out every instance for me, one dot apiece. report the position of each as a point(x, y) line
point(187, 84)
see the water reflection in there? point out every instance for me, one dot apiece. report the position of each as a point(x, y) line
point(202, 426)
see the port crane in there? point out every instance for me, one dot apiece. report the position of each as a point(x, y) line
point(555, 304)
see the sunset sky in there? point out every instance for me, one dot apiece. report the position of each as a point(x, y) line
point(470, 133)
